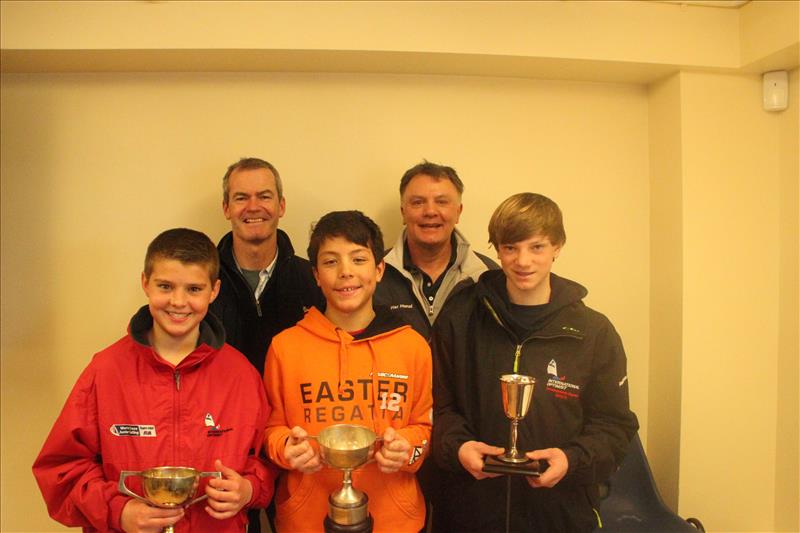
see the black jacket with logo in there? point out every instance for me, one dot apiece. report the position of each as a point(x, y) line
point(250, 324)
point(580, 404)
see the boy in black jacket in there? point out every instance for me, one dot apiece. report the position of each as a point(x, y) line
point(526, 320)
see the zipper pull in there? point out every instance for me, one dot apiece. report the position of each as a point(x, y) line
point(430, 310)
point(517, 353)
point(177, 380)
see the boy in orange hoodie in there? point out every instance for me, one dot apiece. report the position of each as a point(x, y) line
point(351, 364)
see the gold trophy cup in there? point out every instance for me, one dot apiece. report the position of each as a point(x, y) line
point(167, 487)
point(347, 447)
point(517, 391)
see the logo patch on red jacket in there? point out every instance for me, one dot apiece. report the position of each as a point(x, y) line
point(214, 430)
point(209, 421)
point(132, 430)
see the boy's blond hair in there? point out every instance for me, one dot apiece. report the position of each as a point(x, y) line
point(525, 215)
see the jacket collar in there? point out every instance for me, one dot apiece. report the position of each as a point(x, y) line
point(467, 262)
point(385, 322)
point(563, 318)
point(211, 339)
point(225, 247)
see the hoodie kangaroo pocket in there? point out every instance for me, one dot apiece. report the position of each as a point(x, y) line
point(297, 497)
point(404, 492)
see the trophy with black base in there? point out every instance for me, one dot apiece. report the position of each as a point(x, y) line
point(517, 391)
point(347, 447)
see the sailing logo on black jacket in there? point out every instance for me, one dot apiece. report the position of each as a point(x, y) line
point(559, 385)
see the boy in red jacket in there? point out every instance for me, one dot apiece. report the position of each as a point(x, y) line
point(169, 393)
point(354, 364)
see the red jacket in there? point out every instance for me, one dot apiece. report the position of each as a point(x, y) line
point(385, 377)
point(132, 410)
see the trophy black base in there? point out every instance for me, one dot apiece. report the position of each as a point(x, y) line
point(498, 466)
point(365, 526)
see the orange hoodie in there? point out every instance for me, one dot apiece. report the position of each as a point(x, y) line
point(317, 375)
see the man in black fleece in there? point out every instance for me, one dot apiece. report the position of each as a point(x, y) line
point(265, 287)
point(526, 320)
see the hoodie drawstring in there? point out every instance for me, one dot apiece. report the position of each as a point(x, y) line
point(374, 375)
point(344, 341)
point(343, 357)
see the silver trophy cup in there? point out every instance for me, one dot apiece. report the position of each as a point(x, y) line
point(517, 392)
point(347, 447)
point(167, 487)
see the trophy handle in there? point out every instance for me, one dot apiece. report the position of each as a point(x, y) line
point(217, 475)
point(125, 490)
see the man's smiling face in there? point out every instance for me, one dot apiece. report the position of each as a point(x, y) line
point(253, 206)
point(431, 208)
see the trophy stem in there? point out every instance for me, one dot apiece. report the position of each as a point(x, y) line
point(512, 439)
point(513, 455)
point(169, 529)
point(347, 509)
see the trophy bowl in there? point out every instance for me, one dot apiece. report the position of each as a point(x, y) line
point(346, 446)
point(517, 392)
point(170, 486)
point(167, 487)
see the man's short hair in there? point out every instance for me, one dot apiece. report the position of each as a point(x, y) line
point(525, 215)
point(433, 170)
point(250, 163)
point(188, 246)
point(354, 226)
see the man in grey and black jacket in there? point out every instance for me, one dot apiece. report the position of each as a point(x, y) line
point(429, 263)
point(431, 259)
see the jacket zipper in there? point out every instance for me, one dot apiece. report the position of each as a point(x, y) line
point(247, 285)
point(255, 300)
point(176, 409)
point(519, 345)
point(517, 353)
point(419, 295)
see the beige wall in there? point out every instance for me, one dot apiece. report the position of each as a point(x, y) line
point(723, 377)
point(731, 270)
point(787, 477)
point(93, 166)
point(666, 278)
point(681, 196)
